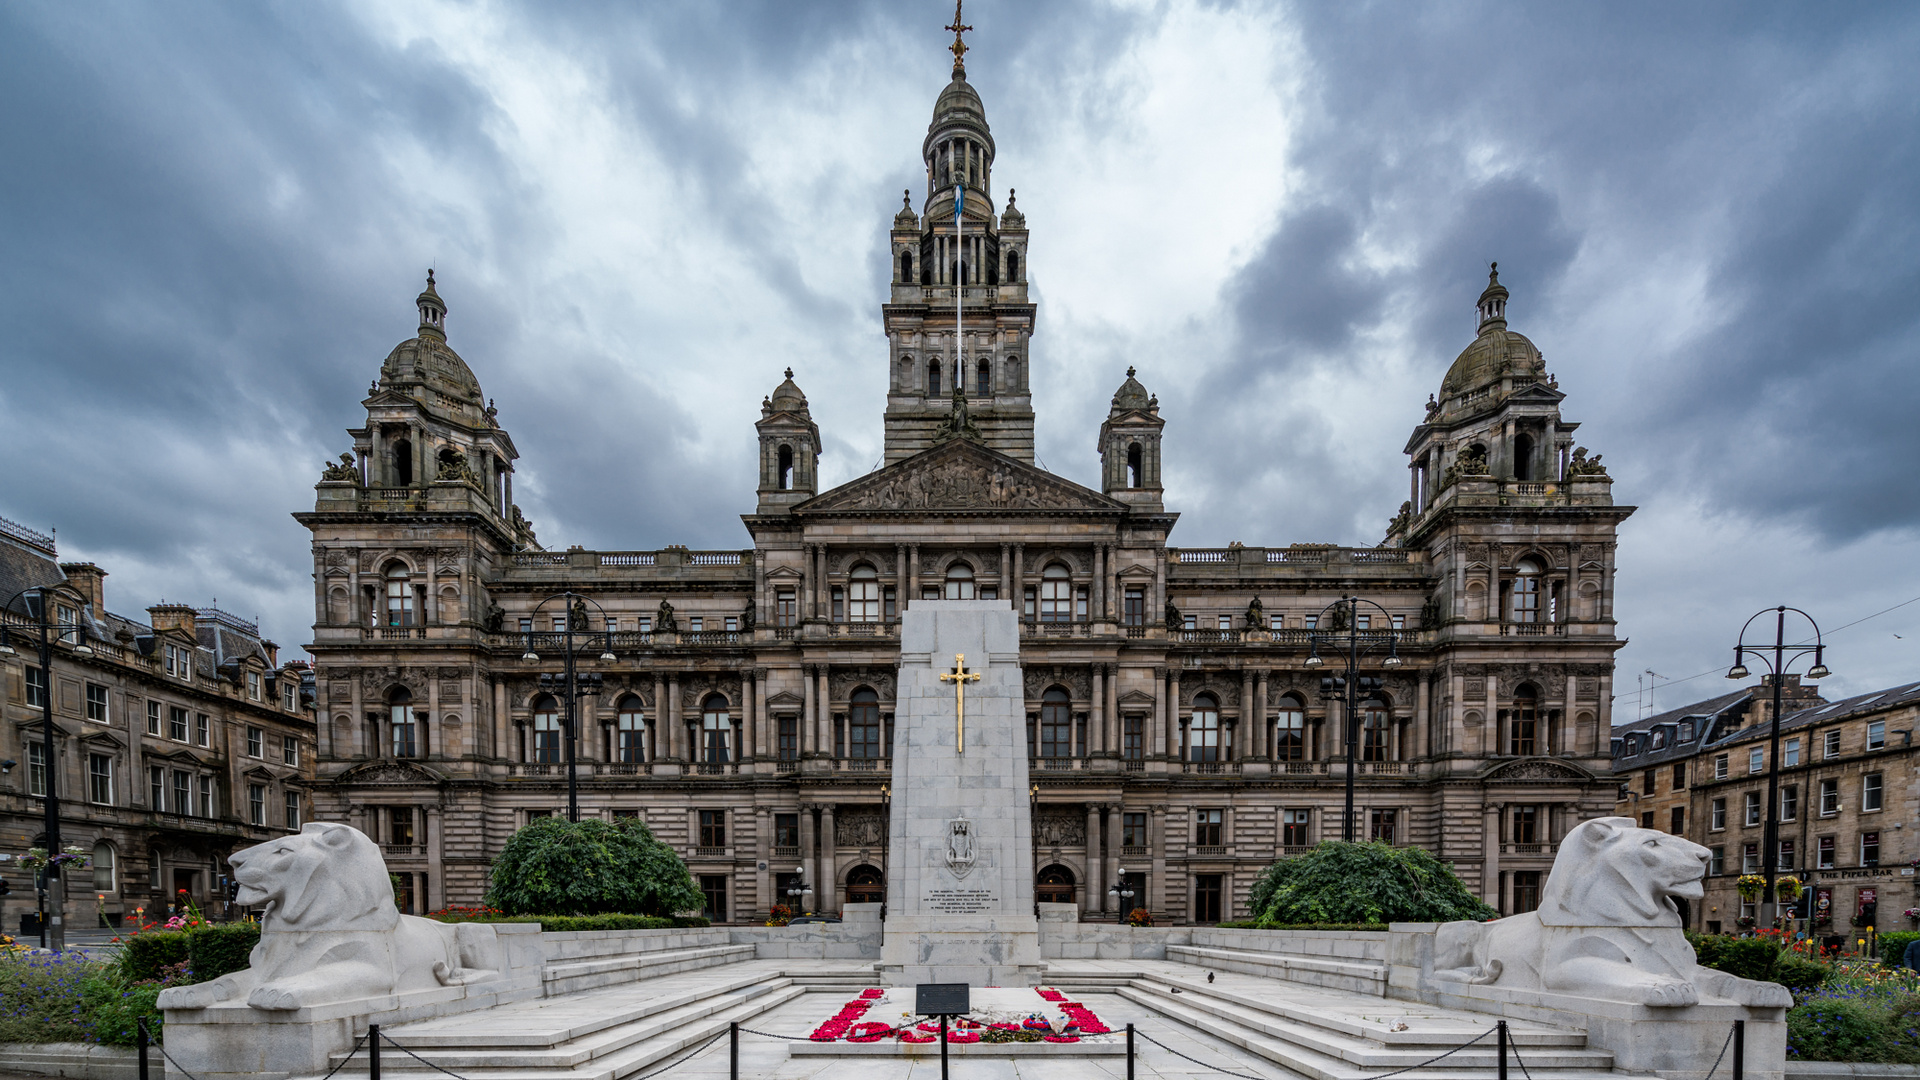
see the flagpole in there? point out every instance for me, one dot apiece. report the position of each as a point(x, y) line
point(959, 284)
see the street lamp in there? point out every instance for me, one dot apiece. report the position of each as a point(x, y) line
point(1122, 892)
point(1782, 656)
point(1356, 646)
point(570, 683)
point(799, 888)
point(45, 631)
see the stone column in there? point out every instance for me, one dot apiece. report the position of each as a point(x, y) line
point(1490, 854)
point(1111, 741)
point(502, 739)
point(829, 863)
point(1176, 743)
point(899, 582)
point(656, 751)
point(1018, 590)
point(673, 716)
point(436, 897)
point(749, 725)
point(1090, 898)
point(806, 709)
point(1097, 723)
point(1561, 737)
point(1157, 871)
point(1098, 602)
point(809, 860)
point(1423, 716)
point(1262, 741)
point(1006, 575)
point(764, 745)
point(913, 571)
point(1251, 715)
point(762, 854)
point(823, 710)
point(1157, 734)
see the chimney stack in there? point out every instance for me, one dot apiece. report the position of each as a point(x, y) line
point(91, 582)
point(166, 617)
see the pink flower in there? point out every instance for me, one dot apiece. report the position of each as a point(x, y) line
point(1059, 1038)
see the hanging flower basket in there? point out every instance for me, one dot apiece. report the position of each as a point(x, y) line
point(1786, 889)
point(1749, 886)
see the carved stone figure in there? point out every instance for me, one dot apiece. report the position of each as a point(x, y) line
point(1581, 465)
point(331, 931)
point(747, 617)
point(577, 618)
point(663, 620)
point(1401, 519)
point(860, 828)
point(1059, 826)
point(960, 847)
point(346, 471)
point(496, 616)
point(523, 526)
point(960, 424)
point(1256, 615)
point(1607, 927)
point(1173, 616)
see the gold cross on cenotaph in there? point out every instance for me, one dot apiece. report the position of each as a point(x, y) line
point(960, 677)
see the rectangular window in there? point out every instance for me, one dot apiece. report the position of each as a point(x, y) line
point(695, 624)
point(289, 750)
point(1646, 820)
point(645, 623)
point(182, 793)
point(1717, 815)
point(1679, 822)
point(36, 687)
point(1225, 622)
point(153, 718)
point(206, 797)
point(1132, 738)
point(96, 703)
point(253, 685)
point(1080, 605)
point(1790, 756)
point(287, 691)
point(526, 626)
point(1363, 622)
point(1827, 847)
point(713, 828)
point(37, 769)
point(406, 743)
point(786, 830)
point(1756, 760)
point(786, 608)
point(1293, 828)
point(1648, 781)
point(256, 742)
point(1525, 825)
point(789, 739)
point(293, 810)
point(400, 826)
point(156, 788)
point(1399, 622)
point(1679, 775)
point(100, 779)
point(732, 624)
point(1790, 802)
point(1206, 898)
point(1829, 798)
point(1206, 827)
point(1750, 858)
point(1134, 607)
point(1869, 849)
point(839, 604)
point(1830, 744)
point(256, 804)
point(929, 592)
point(1720, 767)
point(202, 729)
point(1526, 891)
point(1717, 860)
point(989, 592)
point(1187, 623)
point(714, 888)
point(1786, 855)
point(1870, 791)
point(1380, 825)
point(1753, 808)
point(890, 602)
point(1876, 734)
point(1133, 830)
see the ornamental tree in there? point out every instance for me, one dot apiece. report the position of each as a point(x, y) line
point(1374, 882)
point(591, 867)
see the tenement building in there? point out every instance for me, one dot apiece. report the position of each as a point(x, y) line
point(1849, 785)
point(175, 740)
point(741, 701)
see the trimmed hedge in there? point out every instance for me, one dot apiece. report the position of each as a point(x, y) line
point(1760, 959)
point(591, 867)
point(566, 923)
point(1264, 924)
point(1894, 945)
point(1374, 882)
point(142, 957)
point(213, 951)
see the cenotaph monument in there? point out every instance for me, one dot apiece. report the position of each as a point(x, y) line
point(960, 862)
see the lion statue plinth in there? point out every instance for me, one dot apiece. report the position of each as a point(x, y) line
point(331, 932)
point(1607, 927)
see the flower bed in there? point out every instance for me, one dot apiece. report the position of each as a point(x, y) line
point(1001, 1015)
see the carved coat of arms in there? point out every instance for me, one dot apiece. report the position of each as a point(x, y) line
point(960, 847)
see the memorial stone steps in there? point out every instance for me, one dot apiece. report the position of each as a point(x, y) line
point(1338, 973)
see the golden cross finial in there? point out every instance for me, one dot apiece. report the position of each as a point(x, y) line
point(959, 46)
point(960, 677)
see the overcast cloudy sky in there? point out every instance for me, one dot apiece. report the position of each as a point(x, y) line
point(214, 218)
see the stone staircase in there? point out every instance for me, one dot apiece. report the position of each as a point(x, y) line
point(1330, 1035)
point(590, 973)
point(1356, 975)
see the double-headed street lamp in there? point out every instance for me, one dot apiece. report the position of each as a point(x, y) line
point(1356, 646)
point(798, 889)
point(1777, 658)
point(571, 684)
point(1122, 892)
point(45, 631)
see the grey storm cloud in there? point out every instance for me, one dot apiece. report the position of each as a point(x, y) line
point(215, 218)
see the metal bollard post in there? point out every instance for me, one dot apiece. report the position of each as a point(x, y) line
point(733, 1050)
point(1503, 1050)
point(140, 1040)
point(1739, 1050)
point(1129, 1053)
point(943, 1047)
point(373, 1052)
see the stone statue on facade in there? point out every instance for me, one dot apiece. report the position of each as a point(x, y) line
point(1402, 519)
point(960, 423)
point(664, 621)
point(496, 617)
point(747, 617)
point(1582, 465)
point(1256, 615)
point(1173, 616)
point(345, 471)
point(577, 618)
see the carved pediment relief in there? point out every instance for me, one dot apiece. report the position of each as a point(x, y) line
point(960, 475)
point(389, 772)
point(1136, 698)
point(843, 682)
point(785, 699)
point(1537, 769)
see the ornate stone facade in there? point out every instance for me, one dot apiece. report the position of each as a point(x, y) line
point(1178, 730)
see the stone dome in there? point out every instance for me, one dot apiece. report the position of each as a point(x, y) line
point(787, 396)
point(427, 369)
point(1497, 352)
point(1131, 397)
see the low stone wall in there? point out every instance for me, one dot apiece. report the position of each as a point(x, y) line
point(1354, 945)
point(568, 945)
point(80, 1061)
point(856, 937)
point(1060, 940)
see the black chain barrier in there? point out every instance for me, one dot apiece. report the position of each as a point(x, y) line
point(177, 1065)
point(357, 1044)
point(1437, 1057)
point(388, 1039)
point(1723, 1051)
point(1513, 1047)
point(1196, 1061)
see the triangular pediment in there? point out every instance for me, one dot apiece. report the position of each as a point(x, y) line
point(960, 476)
point(1136, 698)
point(389, 772)
point(1537, 393)
point(785, 699)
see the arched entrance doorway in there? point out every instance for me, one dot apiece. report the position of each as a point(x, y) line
point(866, 885)
point(1055, 885)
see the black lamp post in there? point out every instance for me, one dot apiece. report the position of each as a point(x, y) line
point(799, 889)
point(1122, 892)
point(1356, 646)
point(45, 630)
point(1777, 658)
point(571, 683)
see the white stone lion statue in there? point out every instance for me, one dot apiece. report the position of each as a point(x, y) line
point(331, 931)
point(1607, 927)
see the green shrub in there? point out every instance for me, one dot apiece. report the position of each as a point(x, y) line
point(1893, 946)
point(143, 955)
point(564, 923)
point(1903, 1032)
point(43, 997)
point(1749, 958)
point(591, 867)
point(1374, 882)
point(213, 951)
point(1837, 1029)
point(115, 1007)
point(1798, 974)
point(1264, 924)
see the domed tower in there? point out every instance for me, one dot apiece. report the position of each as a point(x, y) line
point(789, 449)
point(958, 313)
point(1130, 447)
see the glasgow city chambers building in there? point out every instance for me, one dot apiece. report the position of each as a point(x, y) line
point(1187, 716)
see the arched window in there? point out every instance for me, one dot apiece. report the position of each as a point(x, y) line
point(959, 582)
point(1523, 722)
point(786, 468)
point(1523, 457)
point(906, 267)
point(1056, 724)
point(630, 746)
point(1013, 267)
point(1054, 885)
point(1374, 742)
point(399, 596)
point(1290, 730)
point(983, 380)
point(863, 594)
point(403, 462)
point(1056, 594)
point(546, 730)
point(1134, 460)
point(863, 725)
point(1526, 591)
point(1203, 739)
point(105, 876)
point(866, 885)
point(716, 729)
point(403, 728)
point(933, 378)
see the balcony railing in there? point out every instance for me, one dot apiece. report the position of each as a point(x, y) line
point(1209, 849)
point(1528, 849)
point(1288, 851)
point(1210, 768)
point(1534, 629)
point(786, 766)
point(536, 558)
point(1058, 764)
point(1036, 628)
point(627, 558)
point(1135, 851)
point(862, 764)
point(529, 768)
point(1133, 764)
point(717, 768)
point(784, 853)
point(713, 637)
point(402, 851)
point(1209, 637)
point(622, 768)
point(710, 852)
